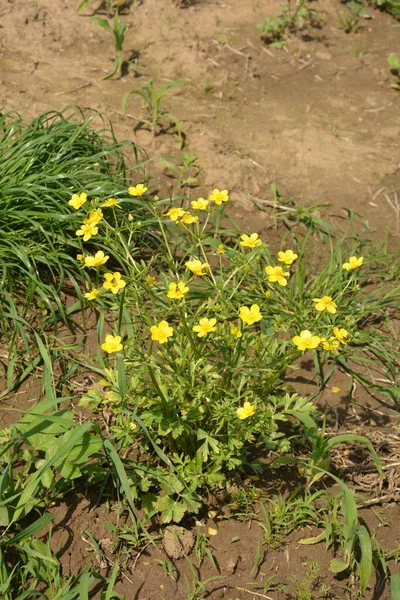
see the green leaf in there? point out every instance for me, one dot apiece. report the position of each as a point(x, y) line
point(170, 509)
point(365, 564)
point(338, 565)
point(395, 587)
point(101, 22)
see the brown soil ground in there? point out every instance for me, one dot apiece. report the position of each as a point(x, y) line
point(318, 118)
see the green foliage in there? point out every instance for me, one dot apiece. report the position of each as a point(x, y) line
point(295, 16)
point(118, 28)
point(151, 101)
point(394, 64)
point(391, 6)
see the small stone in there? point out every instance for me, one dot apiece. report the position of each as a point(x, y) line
point(323, 55)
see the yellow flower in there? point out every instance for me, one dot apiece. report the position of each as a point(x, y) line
point(277, 274)
point(287, 257)
point(137, 190)
point(245, 411)
point(94, 217)
point(150, 280)
point(78, 200)
point(353, 263)
point(130, 218)
point(161, 332)
point(220, 250)
point(175, 213)
point(197, 267)
point(250, 315)
point(205, 326)
point(79, 257)
point(177, 290)
point(112, 344)
point(188, 219)
point(199, 204)
point(236, 331)
point(331, 344)
point(306, 340)
point(327, 303)
point(267, 294)
point(110, 202)
point(97, 260)
point(132, 426)
point(92, 295)
point(251, 241)
point(218, 196)
point(113, 282)
point(87, 230)
point(341, 334)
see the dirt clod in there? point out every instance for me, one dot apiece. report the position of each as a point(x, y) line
point(178, 542)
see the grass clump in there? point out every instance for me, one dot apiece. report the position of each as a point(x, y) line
point(42, 162)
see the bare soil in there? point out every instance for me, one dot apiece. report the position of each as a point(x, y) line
point(318, 118)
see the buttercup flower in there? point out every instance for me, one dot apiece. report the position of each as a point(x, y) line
point(138, 190)
point(287, 257)
point(132, 425)
point(188, 219)
point(79, 257)
point(175, 213)
point(199, 204)
point(250, 315)
point(331, 344)
point(110, 202)
point(113, 282)
point(78, 200)
point(218, 196)
point(150, 280)
point(220, 250)
point(267, 293)
point(97, 260)
point(353, 263)
point(341, 334)
point(112, 343)
point(205, 326)
point(87, 230)
point(94, 217)
point(245, 411)
point(92, 295)
point(197, 267)
point(277, 274)
point(306, 340)
point(325, 303)
point(177, 290)
point(161, 332)
point(236, 331)
point(252, 241)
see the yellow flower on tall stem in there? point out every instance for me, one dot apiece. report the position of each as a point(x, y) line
point(250, 241)
point(175, 213)
point(97, 260)
point(197, 267)
point(177, 291)
point(218, 196)
point(306, 340)
point(325, 303)
point(188, 219)
point(94, 217)
point(205, 326)
point(113, 282)
point(92, 295)
point(110, 202)
point(245, 411)
point(353, 263)
point(236, 331)
point(199, 204)
point(161, 332)
point(287, 257)
point(87, 230)
point(137, 190)
point(112, 344)
point(250, 315)
point(277, 274)
point(341, 334)
point(331, 344)
point(78, 200)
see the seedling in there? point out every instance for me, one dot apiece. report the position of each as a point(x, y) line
point(151, 101)
point(118, 30)
point(293, 18)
